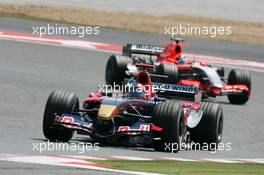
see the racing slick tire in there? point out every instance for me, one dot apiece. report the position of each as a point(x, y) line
point(238, 76)
point(59, 102)
point(210, 129)
point(170, 117)
point(116, 68)
point(169, 70)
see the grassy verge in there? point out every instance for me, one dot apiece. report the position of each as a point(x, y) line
point(186, 168)
point(247, 32)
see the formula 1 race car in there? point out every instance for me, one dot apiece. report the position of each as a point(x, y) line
point(137, 118)
point(180, 70)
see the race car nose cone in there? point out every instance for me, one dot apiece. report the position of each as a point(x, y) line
point(106, 111)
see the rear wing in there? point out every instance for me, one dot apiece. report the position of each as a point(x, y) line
point(175, 91)
point(130, 49)
point(164, 87)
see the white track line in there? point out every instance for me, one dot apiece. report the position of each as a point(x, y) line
point(88, 158)
point(260, 161)
point(130, 158)
point(177, 159)
point(221, 161)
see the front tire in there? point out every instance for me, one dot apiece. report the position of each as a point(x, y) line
point(59, 102)
point(237, 76)
point(168, 116)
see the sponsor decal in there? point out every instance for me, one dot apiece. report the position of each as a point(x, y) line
point(177, 88)
point(144, 128)
point(71, 123)
point(146, 48)
point(162, 87)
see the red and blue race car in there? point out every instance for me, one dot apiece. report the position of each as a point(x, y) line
point(136, 116)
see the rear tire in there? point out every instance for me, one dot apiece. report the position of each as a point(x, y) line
point(169, 70)
point(59, 102)
point(170, 117)
point(237, 76)
point(116, 68)
point(210, 128)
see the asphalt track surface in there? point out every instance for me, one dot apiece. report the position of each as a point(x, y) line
point(7, 168)
point(250, 10)
point(29, 72)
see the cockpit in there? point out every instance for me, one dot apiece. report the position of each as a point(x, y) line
point(136, 95)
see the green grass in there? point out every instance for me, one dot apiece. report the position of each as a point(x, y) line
point(185, 168)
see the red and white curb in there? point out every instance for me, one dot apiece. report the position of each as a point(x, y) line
point(259, 161)
point(115, 48)
point(61, 42)
point(67, 161)
point(85, 162)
